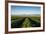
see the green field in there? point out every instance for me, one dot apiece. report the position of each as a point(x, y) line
point(23, 22)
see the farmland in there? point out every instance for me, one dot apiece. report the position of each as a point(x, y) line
point(24, 22)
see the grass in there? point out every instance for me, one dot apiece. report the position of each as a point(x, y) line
point(15, 17)
point(28, 21)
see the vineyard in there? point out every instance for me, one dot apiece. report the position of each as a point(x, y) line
point(23, 22)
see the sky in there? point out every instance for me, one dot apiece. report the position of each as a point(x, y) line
point(19, 10)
